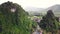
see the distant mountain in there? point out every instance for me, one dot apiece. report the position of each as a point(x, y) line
point(34, 10)
point(55, 9)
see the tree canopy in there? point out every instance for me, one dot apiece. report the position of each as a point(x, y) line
point(14, 21)
point(49, 22)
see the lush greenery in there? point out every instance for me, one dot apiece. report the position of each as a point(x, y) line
point(14, 22)
point(49, 22)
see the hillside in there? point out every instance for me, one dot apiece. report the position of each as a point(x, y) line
point(34, 10)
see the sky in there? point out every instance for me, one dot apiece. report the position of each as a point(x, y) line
point(34, 3)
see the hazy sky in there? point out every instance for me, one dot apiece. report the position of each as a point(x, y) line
point(34, 3)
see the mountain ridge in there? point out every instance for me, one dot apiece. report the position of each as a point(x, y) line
point(54, 8)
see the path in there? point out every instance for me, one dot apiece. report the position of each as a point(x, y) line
point(38, 30)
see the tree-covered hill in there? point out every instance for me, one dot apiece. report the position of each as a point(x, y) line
point(49, 22)
point(13, 19)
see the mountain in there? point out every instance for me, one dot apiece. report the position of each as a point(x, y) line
point(34, 10)
point(55, 9)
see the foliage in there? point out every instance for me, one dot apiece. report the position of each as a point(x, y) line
point(49, 22)
point(14, 22)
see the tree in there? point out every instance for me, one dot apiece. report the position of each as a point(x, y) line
point(13, 19)
point(49, 22)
